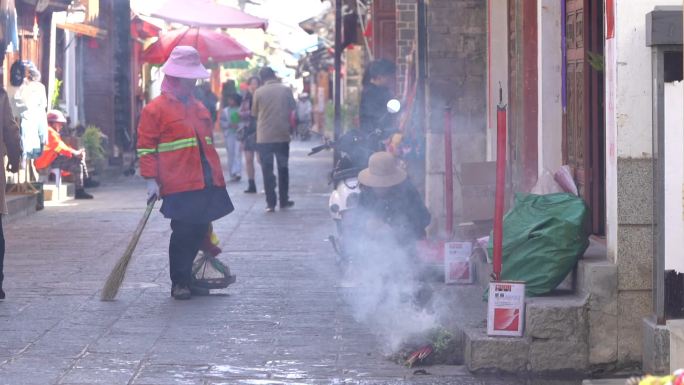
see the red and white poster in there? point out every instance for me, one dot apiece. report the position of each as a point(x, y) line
point(457, 265)
point(506, 309)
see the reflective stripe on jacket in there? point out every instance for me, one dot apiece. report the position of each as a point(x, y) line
point(170, 134)
point(55, 146)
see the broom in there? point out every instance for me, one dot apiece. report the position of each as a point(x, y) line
point(111, 287)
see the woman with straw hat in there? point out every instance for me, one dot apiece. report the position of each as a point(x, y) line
point(181, 165)
point(391, 200)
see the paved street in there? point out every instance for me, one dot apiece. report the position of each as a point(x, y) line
point(285, 321)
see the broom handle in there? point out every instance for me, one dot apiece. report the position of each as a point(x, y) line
point(141, 225)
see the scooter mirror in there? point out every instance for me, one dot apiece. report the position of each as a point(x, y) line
point(393, 106)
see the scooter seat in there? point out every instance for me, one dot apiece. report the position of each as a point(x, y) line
point(345, 174)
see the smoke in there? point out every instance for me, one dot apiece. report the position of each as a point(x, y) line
point(384, 285)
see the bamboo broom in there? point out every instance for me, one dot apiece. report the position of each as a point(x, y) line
point(111, 287)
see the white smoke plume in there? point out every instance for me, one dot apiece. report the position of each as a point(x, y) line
point(384, 285)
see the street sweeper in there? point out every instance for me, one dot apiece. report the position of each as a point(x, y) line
point(181, 165)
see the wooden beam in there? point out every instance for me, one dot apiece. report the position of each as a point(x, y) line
point(84, 29)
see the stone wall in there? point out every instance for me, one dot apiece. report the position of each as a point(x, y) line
point(629, 172)
point(457, 40)
point(635, 254)
point(406, 38)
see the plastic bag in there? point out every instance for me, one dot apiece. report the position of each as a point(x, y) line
point(544, 235)
point(210, 273)
point(546, 184)
point(565, 179)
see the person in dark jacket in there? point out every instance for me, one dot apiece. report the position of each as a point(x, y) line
point(11, 147)
point(377, 80)
point(391, 201)
point(204, 94)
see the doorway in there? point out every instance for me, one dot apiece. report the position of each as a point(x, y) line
point(583, 119)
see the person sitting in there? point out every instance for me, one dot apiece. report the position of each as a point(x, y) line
point(58, 154)
point(376, 82)
point(392, 202)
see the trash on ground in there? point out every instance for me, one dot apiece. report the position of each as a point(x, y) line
point(435, 346)
point(544, 235)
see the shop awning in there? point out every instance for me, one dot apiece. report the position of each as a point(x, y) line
point(144, 27)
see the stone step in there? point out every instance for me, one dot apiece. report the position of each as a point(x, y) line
point(63, 193)
point(605, 381)
point(597, 279)
point(676, 328)
point(20, 206)
point(569, 330)
point(554, 341)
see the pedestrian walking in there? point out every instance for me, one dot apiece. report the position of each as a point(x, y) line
point(181, 165)
point(12, 149)
point(31, 99)
point(272, 106)
point(230, 121)
point(304, 116)
point(247, 133)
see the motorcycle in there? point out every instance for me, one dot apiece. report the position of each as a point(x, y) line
point(355, 147)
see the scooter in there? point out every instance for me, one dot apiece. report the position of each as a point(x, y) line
point(355, 148)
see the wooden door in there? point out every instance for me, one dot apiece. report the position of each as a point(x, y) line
point(523, 94)
point(384, 30)
point(583, 121)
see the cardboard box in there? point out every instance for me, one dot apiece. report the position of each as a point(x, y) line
point(457, 265)
point(478, 189)
point(506, 309)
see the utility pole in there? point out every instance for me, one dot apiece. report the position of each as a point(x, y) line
point(338, 70)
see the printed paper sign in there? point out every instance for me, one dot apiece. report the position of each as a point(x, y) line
point(506, 309)
point(457, 265)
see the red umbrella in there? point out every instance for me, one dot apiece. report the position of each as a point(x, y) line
point(206, 13)
point(211, 45)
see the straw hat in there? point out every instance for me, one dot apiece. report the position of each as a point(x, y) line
point(383, 171)
point(184, 62)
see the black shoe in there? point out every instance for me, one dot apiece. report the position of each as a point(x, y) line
point(251, 188)
point(270, 209)
point(287, 205)
point(199, 291)
point(180, 292)
point(81, 194)
point(2, 294)
point(90, 183)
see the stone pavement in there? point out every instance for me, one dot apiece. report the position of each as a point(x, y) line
point(283, 322)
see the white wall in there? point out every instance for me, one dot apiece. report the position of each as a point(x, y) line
point(674, 176)
point(628, 98)
point(550, 59)
point(633, 104)
point(498, 67)
point(611, 148)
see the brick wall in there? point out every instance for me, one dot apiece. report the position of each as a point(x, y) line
point(406, 37)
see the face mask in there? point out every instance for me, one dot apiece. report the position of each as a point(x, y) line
point(178, 87)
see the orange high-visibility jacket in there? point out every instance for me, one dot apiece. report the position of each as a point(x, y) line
point(170, 135)
point(55, 146)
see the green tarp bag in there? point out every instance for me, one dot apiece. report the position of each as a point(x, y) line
point(543, 237)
